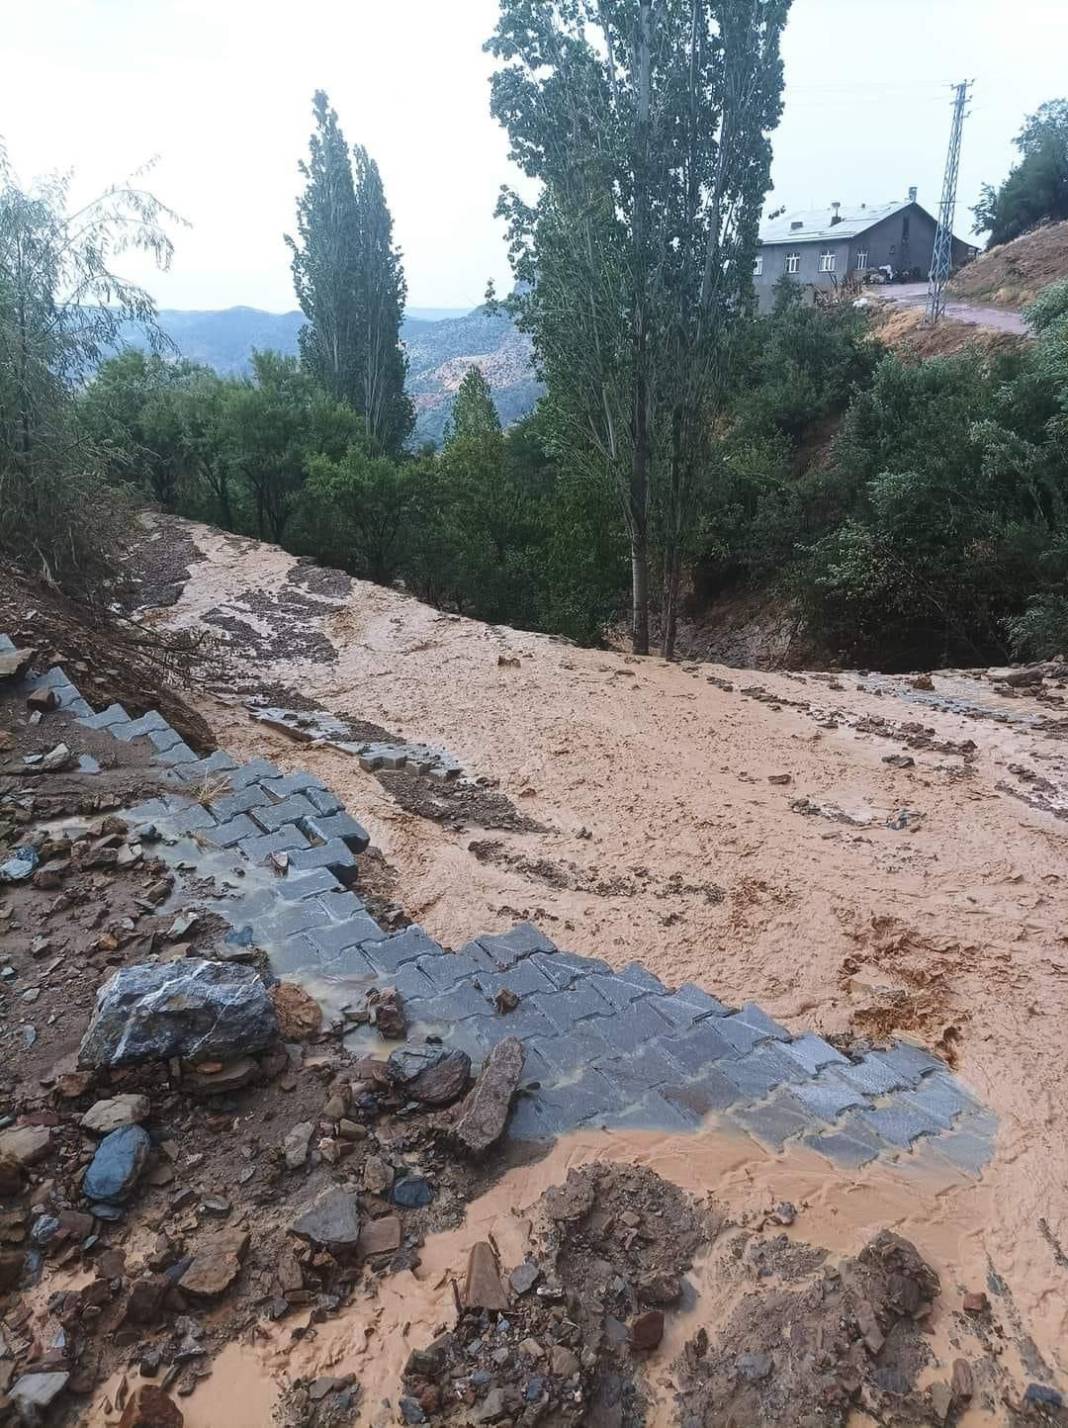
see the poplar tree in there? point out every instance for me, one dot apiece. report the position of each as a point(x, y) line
point(646, 124)
point(349, 282)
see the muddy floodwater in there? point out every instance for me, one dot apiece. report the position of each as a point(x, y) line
point(740, 830)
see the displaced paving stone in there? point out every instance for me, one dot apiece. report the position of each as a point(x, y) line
point(125, 1110)
point(480, 1118)
point(117, 1165)
point(483, 1287)
point(196, 1010)
point(441, 1083)
point(333, 1222)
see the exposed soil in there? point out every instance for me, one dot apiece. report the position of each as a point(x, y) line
point(905, 329)
point(456, 802)
point(156, 567)
point(1013, 274)
point(934, 906)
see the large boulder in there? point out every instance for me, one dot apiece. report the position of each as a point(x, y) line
point(199, 1011)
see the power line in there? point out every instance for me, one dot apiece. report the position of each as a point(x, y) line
point(942, 258)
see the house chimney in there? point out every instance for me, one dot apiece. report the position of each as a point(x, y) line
point(836, 217)
point(913, 191)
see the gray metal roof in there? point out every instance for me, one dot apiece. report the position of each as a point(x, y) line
point(816, 225)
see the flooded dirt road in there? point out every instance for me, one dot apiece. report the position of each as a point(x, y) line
point(743, 831)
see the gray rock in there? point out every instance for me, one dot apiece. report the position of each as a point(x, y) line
point(124, 1110)
point(481, 1116)
point(117, 1165)
point(296, 1144)
point(333, 1221)
point(524, 1277)
point(34, 1393)
point(196, 1010)
point(431, 1075)
point(19, 866)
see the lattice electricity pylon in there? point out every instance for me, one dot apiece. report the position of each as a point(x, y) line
point(942, 258)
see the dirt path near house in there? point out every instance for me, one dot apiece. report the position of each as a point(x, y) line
point(999, 319)
point(742, 831)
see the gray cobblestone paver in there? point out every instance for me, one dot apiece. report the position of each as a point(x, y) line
point(604, 1045)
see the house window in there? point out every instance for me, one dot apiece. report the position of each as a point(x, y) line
point(758, 265)
point(827, 261)
point(862, 261)
point(793, 262)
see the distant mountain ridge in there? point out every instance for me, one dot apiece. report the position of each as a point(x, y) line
point(440, 350)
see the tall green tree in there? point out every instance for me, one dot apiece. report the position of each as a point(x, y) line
point(473, 412)
point(646, 123)
point(349, 282)
point(381, 294)
point(1036, 189)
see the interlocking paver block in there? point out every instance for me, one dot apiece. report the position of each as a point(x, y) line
point(523, 979)
point(688, 992)
point(775, 1121)
point(107, 718)
point(164, 738)
point(556, 1110)
point(137, 728)
point(814, 1053)
point(873, 1075)
point(565, 968)
point(234, 803)
point(193, 818)
point(940, 1097)
point(286, 840)
point(334, 937)
point(445, 969)
point(297, 886)
point(335, 855)
point(642, 977)
point(713, 1092)
point(237, 830)
point(680, 1013)
point(389, 953)
point(655, 1111)
point(255, 771)
point(757, 1018)
point(291, 919)
point(323, 800)
point(214, 765)
point(644, 1069)
point(693, 1050)
point(323, 827)
point(577, 1003)
point(287, 785)
point(761, 1071)
point(617, 991)
point(412, 984)
point(272, 816)
point(342, 905)
point(739, 1034)
point(639, 1023)
point(826, 1096)
point(520, 941)
point(966, 1150)
point(179, 753)
point(581, 1047)
point(526, 1021)
point(852, 1148)
point(912, 1061)
point(456, 1004)
point(896, 1123)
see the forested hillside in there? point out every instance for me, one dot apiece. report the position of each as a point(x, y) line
point(440, 350)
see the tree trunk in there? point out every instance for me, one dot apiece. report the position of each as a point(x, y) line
point(672, 581)
point(639, 600)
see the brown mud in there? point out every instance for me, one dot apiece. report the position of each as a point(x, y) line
point(921, 900)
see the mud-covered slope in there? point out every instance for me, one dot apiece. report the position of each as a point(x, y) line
point(859, 854)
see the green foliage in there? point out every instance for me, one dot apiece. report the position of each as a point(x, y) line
point(350, 284)
point(473, 412)
point(649, 140)
point(1041, 632)
point(1036, 190)
point(62, 305)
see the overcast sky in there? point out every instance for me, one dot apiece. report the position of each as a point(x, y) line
point(221, 91)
